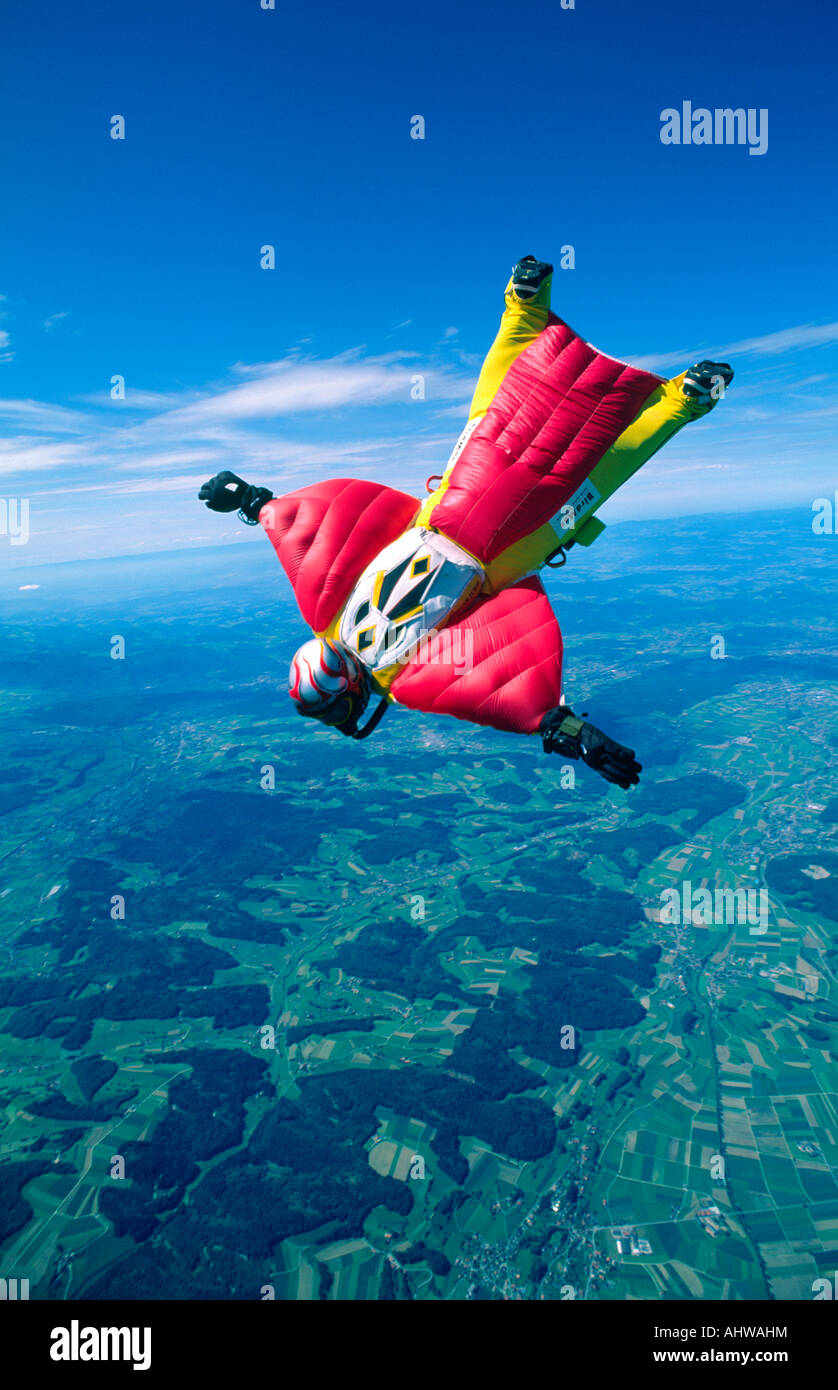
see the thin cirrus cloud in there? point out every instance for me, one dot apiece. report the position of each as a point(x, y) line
point(28, 456)
point(153, 431)
point(294, 387)
point(43, 417)
point(293, 421)
point(805, 335)
point(136, 400)
point(787, 340)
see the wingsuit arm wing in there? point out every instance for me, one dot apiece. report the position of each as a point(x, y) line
point(499, 664)
point(325, 535)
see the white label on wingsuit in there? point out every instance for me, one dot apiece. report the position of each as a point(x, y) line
point(583, 499)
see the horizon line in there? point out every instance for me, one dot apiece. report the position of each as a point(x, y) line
point(242, 539)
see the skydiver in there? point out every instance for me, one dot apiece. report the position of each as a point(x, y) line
point(554, 428)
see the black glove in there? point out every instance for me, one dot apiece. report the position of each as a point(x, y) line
point(223, 493)
point(561, 732)
point(228, 493)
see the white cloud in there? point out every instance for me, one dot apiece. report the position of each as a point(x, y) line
point(229, 427)
point(786, 340)
point(172, 458)
point(805, 335)
point(31, 455)
point(818, 411)
point(293, 387)
point(658, 361)
point(185, 482)
point(809, 381)
point(300, 388)
point(134, 399)
point(37, 415)
point(290, 422)
point(53, 319)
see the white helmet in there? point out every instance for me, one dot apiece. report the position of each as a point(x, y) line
point(327, 682)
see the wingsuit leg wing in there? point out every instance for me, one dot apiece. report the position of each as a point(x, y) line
point(526, 314)
point(555, 427)
point(499, 664)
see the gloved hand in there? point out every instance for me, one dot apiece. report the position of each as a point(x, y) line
point(707, 381)
point(228, 493)
point(562, 732)
point(224, 493)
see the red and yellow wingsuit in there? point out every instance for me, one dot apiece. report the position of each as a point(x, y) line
point(555, 427)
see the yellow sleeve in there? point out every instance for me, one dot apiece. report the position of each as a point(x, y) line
point(520, 325)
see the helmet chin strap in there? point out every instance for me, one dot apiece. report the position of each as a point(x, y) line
point(373, 722)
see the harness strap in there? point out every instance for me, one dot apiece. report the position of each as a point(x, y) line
point(551, 562)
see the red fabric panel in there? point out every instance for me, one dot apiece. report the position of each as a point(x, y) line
point(516, 663)
point(326, 534)
point(559, 408)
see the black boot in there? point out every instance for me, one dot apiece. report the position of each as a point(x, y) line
point(562, 732)
point(707, 381)
point(528, 276)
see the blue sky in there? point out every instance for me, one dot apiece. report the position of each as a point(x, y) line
point(292, 127)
